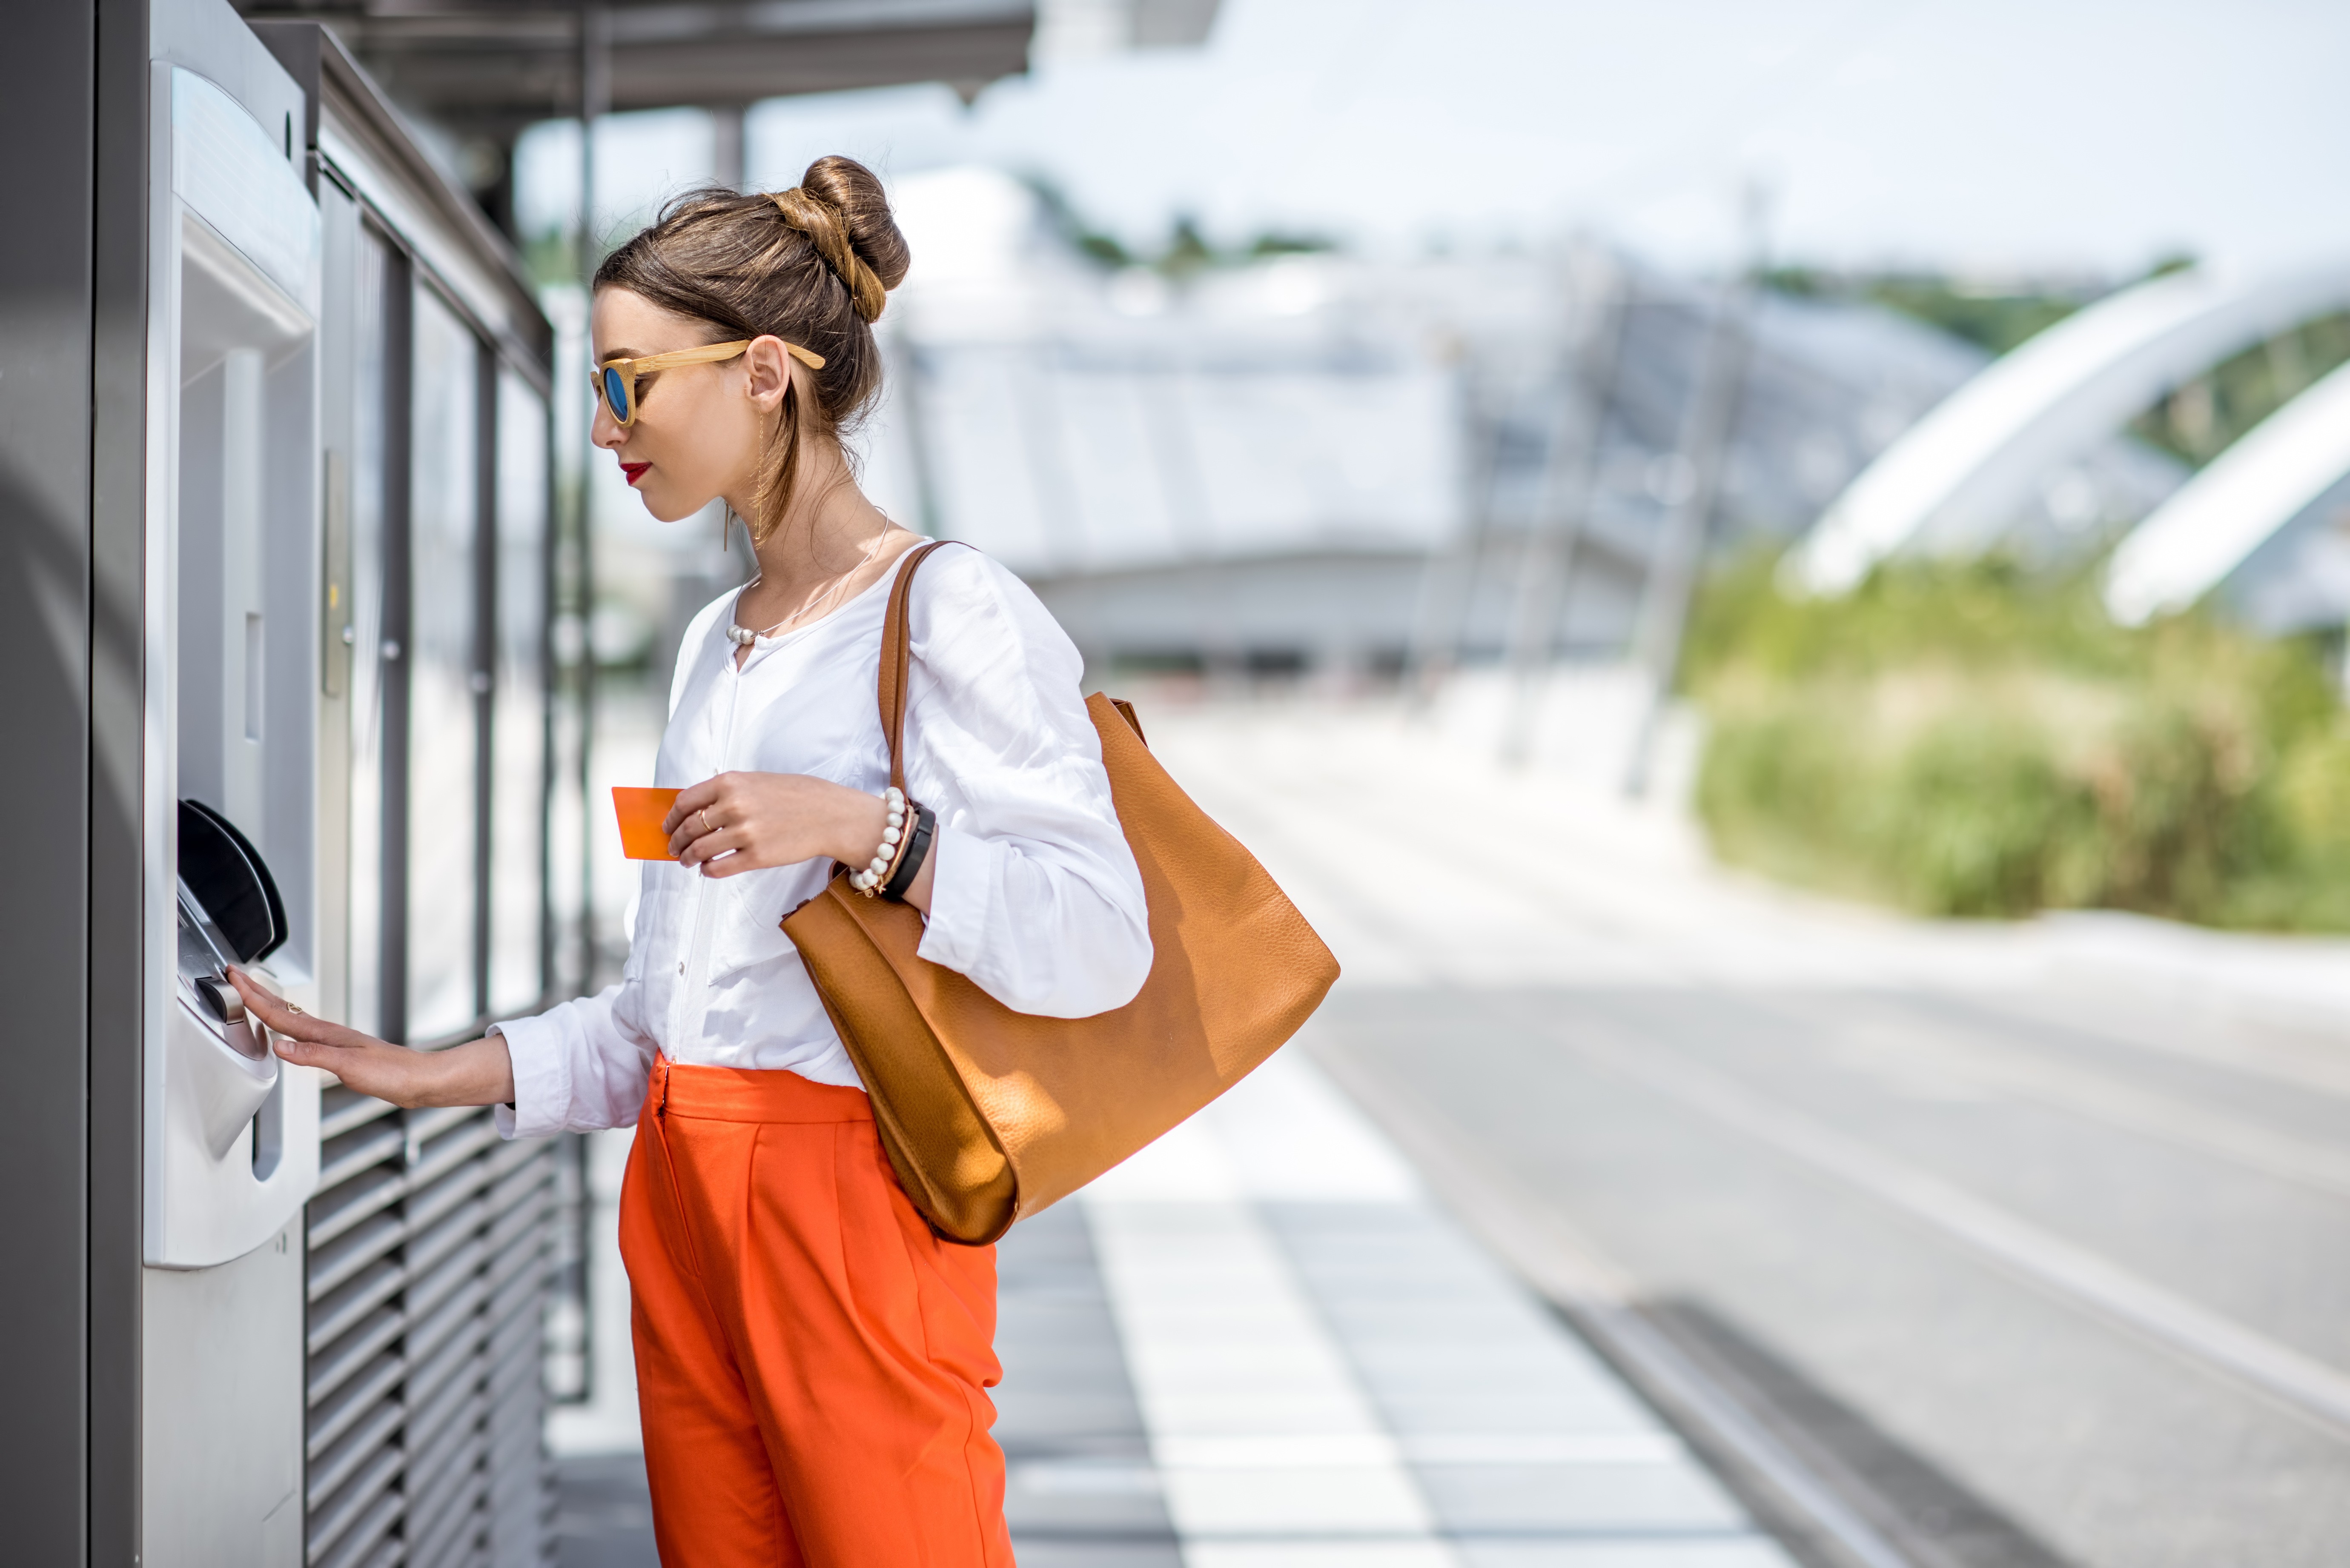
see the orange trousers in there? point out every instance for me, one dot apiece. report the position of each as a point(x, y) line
point(812, 1363)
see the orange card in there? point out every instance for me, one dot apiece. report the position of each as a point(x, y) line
point(642, 810)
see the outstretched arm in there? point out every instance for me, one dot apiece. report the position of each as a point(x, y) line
point(478, 1072)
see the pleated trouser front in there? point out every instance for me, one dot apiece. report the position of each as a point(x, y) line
point(812, 1362)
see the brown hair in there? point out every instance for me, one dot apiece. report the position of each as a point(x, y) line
point(812, 265)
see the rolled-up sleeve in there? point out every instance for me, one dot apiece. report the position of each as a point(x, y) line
point(576, 1067)
point(1035, 894)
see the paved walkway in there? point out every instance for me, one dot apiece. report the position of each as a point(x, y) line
point(2017, 1245)
point(1322, 1369)
point(1260, 1346)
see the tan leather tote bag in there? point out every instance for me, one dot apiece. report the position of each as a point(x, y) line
point(988, 1114)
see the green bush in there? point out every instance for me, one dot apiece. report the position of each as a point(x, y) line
point(1974, 741)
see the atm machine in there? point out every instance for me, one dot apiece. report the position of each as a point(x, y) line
point(229, 1144)
point(273, 444)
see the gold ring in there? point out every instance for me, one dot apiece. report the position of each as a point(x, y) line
point(292, 1008)
point(704, 815)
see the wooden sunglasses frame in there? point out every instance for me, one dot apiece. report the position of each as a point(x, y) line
point(708, 354)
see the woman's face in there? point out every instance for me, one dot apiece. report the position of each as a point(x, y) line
point(700, 429)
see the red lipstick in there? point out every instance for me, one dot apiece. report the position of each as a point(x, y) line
point(635, 470)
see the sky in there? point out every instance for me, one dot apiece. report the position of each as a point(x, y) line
point(1997, 137)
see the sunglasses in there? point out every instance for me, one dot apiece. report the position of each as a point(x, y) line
point(616, 379)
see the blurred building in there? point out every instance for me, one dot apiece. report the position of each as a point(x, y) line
point(1314, 461)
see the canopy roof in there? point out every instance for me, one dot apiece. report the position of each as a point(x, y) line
point(488, 67)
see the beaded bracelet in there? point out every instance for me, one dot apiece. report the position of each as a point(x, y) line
point(868, 880)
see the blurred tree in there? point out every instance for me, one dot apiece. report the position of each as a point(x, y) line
point(2205, 417)
point(1096, 245)
point(1275, 243)
point(1187, 252)
point(1971, 739)
point(1997, 316)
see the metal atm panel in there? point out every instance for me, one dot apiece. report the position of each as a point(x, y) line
point(231, 1141)
point(229, 804)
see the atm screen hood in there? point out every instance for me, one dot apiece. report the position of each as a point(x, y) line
point(231, 881)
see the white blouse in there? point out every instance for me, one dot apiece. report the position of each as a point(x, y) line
point(1036, 896)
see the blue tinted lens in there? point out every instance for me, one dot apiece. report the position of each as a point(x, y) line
point(616, 394)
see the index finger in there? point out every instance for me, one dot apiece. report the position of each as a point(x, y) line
point(688, 802)
point(276, 1011)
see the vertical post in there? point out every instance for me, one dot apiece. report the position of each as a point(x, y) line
point(1042, 440)
point(1448, 580)
point(1603, 306)
point(485, 663)
point(595, 101)
point(398, 646)
point(727, 164)
point(1182, 479)
point(1680, 552)
point(905, 383)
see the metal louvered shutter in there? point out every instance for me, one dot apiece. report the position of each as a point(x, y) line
point(429, 1253)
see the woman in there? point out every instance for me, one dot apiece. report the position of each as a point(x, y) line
point(812, 1360)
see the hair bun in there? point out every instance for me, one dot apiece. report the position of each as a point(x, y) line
point(840, 206)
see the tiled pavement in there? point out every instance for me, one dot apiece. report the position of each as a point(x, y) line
point(1332, 1372)
point(1259, 1345)
point(1080, 1487)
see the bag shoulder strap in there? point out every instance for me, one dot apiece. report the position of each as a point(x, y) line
point(897, 654)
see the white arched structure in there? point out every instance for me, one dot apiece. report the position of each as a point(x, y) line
point(2233, 507)
point(1972, 464)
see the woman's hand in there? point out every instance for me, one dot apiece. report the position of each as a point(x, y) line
point(746, 821)
point(478, 1074)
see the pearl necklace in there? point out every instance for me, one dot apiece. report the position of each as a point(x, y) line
point(743, 636)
